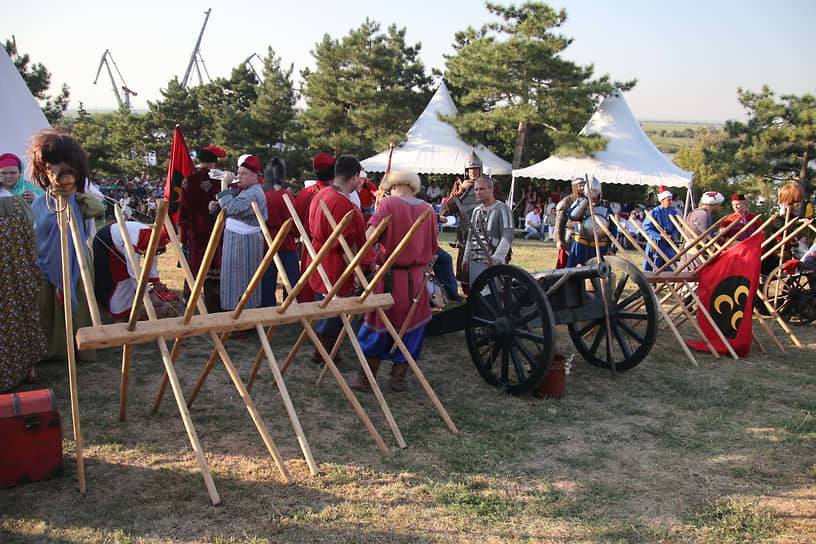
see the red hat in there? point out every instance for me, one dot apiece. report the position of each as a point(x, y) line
point(664, 193)
point(322, 161)
point(738, 196)
point(217, 151)
point(250, 162)
point(144, 239)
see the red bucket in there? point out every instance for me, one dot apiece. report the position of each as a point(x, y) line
point(552, 386)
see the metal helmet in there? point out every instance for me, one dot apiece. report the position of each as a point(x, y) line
point(473, 161)
point(595, 187)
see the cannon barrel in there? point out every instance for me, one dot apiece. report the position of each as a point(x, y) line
point(554, 279)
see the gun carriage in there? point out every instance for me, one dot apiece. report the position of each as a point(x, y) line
point(510, 319)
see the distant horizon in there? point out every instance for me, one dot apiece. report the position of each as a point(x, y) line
point(72, 111)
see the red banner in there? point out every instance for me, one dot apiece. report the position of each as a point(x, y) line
point(179, 168)
point(727, 290)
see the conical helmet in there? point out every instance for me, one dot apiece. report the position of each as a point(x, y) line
point(473, 161)
point(595, 187)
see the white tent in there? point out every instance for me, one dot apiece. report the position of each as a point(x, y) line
point(629, 157)
point(433, 147)
point(19, 111)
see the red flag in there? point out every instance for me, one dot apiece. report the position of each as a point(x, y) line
point(179, 168)
point(727, 290)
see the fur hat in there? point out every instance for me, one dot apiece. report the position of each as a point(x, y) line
point(664, 193)
point(211, 153)
point(275, 171)
point(400, 178)
point(738, 196)
point(323, 166)
point(711, 197)
point(250, 162)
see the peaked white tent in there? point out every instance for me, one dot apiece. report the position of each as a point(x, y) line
point(19, 111)
point(629, 157)
point(433, 147)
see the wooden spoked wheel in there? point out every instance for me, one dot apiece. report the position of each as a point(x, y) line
point(511, 329)
point(632, 313)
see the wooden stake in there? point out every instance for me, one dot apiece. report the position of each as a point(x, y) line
point(63, 203)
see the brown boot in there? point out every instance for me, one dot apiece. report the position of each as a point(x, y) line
point(328, 344)
point(362, 383)
point(398, 371)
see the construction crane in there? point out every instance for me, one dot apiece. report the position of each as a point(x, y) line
point(196, 57)
point(107, 60)
point(251, 67)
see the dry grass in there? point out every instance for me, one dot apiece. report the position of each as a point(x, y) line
point(664, 453)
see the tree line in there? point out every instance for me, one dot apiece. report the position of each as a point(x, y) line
point(515, 91)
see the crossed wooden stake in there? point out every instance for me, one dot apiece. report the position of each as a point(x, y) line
point(699, 248)
point(219, 326)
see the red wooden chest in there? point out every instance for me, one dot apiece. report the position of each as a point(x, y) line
point(30, 437)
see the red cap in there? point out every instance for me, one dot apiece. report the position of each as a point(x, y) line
point(250, 162)
point(322, 161)
point(738, 196)
point(10, 159)
point(217, 151)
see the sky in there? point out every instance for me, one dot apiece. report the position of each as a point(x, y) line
point(689, 57)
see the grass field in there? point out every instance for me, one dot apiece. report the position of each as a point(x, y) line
point(666, 452)
point(668, 137)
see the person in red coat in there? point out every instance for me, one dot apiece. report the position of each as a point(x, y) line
point(336, 197)
point(196, 223)
point(274, 189)
point(733, 223)
point(406, 282)
point(323, 166)
point(368, 193)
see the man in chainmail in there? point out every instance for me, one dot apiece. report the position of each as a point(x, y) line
point(563, 234)
point(492, 222)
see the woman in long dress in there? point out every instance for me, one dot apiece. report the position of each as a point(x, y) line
point(243, 242)
point(22, 342)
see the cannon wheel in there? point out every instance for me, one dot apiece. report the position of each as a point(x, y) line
point(511, 329)
point(632, 314)
point(778, 287)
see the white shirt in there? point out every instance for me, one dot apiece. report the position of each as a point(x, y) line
point(533, 219)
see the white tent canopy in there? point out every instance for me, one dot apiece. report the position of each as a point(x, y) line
point(433, 147)
point(21, 114)
point(629, 157)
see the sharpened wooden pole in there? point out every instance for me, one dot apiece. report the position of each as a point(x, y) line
point(63, 203)
point(347, 329)
point(392, 331)
point(165, 357)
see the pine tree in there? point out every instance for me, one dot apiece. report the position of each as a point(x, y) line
point(38, 80)
point(779, 140)
point(365, 92)
point(516, 93)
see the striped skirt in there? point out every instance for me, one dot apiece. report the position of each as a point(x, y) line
point(241, 254)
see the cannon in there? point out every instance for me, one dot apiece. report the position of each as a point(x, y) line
point(510, 319)
point(792, 292)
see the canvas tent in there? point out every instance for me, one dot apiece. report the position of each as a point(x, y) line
point(629, 157)
point(19, 111)
point(433, 147)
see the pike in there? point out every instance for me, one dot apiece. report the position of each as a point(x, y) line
point(612, 368)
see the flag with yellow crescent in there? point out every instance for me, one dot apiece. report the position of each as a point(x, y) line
point(727, 289)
